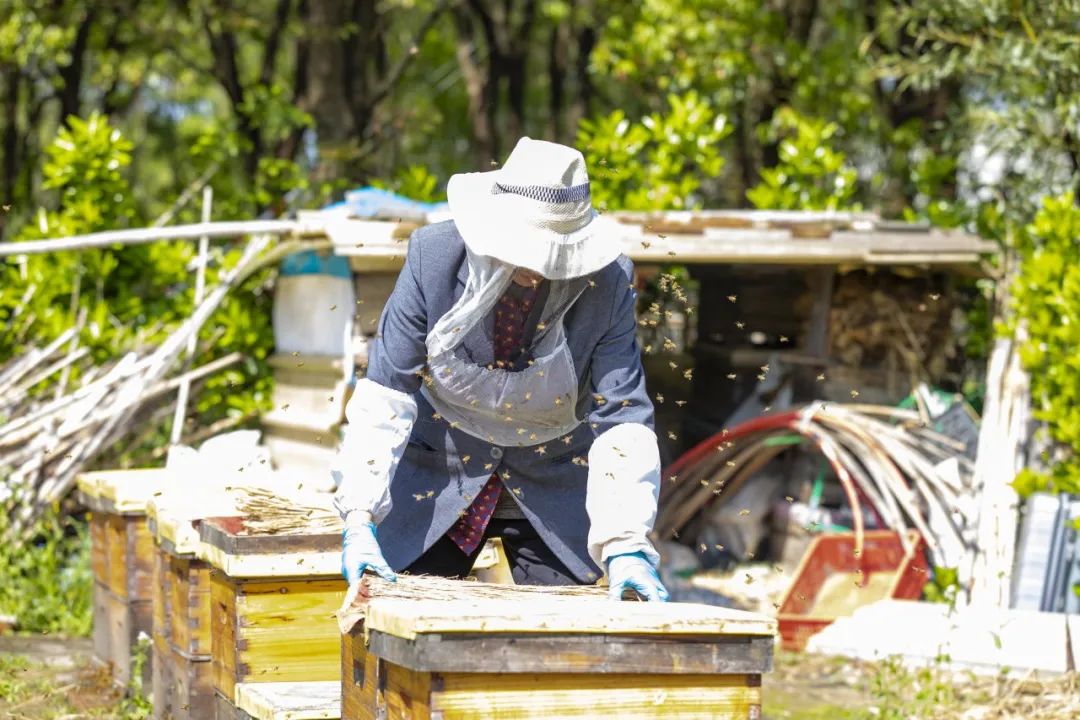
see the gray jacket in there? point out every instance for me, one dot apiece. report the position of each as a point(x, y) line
point(550, 487)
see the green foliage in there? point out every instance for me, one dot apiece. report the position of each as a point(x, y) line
point(901, 694)
point(811, 175)
point(46, 582)
point(136, 704)
point(658, 163)
point(133, 296)
point(416, 182)
point(1020, 64)
point(943, 586)
point(1046, 308)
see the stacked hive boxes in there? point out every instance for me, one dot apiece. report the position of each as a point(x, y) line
point(122, 562)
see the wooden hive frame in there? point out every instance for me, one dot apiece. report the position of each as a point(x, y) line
point(273, 604)
point(573, 657)
point(122, 559)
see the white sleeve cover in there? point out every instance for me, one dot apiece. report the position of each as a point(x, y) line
point(380, 422)
point(623, 487)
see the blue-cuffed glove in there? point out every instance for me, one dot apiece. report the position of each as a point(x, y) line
point(633, 571)
point(360, 551)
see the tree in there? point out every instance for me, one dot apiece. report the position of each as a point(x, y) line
point(1018, 62)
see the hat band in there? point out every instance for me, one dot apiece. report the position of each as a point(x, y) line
point(541, 193)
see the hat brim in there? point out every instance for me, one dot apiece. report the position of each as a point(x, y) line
point(493, 225)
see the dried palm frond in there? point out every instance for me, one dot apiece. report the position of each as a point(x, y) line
point(422, 587)
point(267, 512)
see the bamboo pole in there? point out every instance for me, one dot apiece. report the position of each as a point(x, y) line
point(200, 285)
point(137, 236)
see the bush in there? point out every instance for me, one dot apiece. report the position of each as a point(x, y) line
point(1046, 306)
point(46, 581)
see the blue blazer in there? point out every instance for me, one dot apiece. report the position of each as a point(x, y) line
point(550, 487)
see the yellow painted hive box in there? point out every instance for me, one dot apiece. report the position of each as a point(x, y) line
point(182, 679)
point(273, 602)
point(507, 655)
point(121, 558)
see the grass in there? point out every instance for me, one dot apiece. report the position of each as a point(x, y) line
point(46, 582)
point(34, 690)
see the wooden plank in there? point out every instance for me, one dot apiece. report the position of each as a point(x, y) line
point(403, 693)
point(223, 633)
point(273, 565)
point(162, 683)
point(99, 549)
point(410, 618)
point(472, 696)
point(358, 671)
point(605, 654)
point(121, 631)
point(290, 700)
point(821, 281)
point(187, 585)
point(224, 709)
point(194, 688)
point(116, 544)
point(139, 559)
point(102, 635)
point(771, 242)
point(159, 623)
point(231, 536)
point(286, 630)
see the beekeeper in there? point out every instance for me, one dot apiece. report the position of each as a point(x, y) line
point(505, 395)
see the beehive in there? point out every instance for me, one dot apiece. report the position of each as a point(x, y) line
point(182, 677)
point(273, 603)
point(553, 658)
point(121, 552)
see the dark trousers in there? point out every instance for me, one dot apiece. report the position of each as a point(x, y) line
point(531, 561)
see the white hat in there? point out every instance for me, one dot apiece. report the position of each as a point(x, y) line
point(535, 212)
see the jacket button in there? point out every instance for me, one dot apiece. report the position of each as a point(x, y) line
point(496, 453)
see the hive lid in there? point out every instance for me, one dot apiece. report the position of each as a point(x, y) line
point(576, 615)
point(124, 492)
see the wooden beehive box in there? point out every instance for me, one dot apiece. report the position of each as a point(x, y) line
point(553, 657)
point(121, 552)
point(182, 678)
point(273, 604)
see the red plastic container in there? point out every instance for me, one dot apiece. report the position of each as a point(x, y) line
point(828, 583)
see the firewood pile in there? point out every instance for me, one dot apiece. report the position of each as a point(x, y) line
point(46, 440)
point(879, 320)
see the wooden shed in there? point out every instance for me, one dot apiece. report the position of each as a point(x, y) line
point(777, 306)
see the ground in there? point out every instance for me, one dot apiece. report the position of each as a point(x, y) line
point(44, 678)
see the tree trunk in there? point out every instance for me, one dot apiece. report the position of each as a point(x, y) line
point(12, 84)
point(72, 73)
point(582, 107)
point(477, 88)
point(326, 86)
point(799, 16)
point(557, 50)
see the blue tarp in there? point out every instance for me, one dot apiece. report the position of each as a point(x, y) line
point(367, 202)
point(374, 202)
